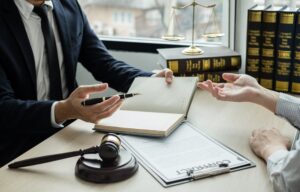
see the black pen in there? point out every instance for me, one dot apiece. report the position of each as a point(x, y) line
point(99, 100)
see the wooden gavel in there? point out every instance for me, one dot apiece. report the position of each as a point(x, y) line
point(108, 151)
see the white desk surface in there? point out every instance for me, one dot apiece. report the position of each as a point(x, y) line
point(231, 123)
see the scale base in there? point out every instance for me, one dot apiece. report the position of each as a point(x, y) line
point(91, 168)
point(193, 50)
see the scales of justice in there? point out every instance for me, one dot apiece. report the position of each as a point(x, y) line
point(192, 49)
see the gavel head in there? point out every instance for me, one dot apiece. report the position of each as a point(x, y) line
point(109, 147)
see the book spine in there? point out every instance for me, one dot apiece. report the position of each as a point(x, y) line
point(184, 66)
point(213, 76)
point(269, 32)
point(295, 77)
point(253, 43)
point(284, 52)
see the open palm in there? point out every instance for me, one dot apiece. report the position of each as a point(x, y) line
point(239, 87)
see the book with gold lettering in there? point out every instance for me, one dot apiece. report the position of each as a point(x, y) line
point(157, 111)
point(285, 47)
point(270, 17)
point(295, 76)
point(214, 76)
point(254, 40)
point(213, 59)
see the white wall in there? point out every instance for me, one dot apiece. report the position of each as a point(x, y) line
point(147, 61)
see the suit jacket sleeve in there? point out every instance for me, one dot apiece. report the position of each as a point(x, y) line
point(95, 57)
point(28, 117)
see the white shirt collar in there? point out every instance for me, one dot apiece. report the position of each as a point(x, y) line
point(26, 8)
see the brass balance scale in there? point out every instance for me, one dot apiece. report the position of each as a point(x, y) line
point(192, 49)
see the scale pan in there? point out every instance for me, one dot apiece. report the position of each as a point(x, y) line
point(173, 37)
point(213, 35)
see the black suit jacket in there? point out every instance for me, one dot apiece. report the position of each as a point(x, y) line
point(24, 121)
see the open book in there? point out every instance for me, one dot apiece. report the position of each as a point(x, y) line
point(156, 112)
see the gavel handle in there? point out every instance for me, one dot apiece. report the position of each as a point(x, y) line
point(49, 158)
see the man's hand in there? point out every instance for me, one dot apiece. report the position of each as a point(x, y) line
point(71, 108)
point(265, 142)
point(166, 73)
point(241, 88)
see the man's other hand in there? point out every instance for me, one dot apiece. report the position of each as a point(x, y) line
point(166, 73)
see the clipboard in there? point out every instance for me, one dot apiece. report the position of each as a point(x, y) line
point(168, 172)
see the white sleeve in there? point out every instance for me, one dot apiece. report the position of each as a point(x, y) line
point(289, 108)
point(53, 122)
point(284, 166)
point(284, 170)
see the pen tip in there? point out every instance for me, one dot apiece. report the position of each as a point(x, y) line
point(137, 94)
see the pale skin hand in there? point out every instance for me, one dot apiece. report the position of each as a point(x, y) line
point(241, 88)
point(265, 142)
point(166, 73)
point(244, 88)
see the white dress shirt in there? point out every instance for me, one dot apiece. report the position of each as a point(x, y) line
point(32, 24)
point(284, 166)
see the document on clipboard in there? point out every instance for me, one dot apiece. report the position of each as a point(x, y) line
point(186, 155)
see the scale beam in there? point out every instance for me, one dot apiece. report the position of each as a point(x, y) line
point(195, 4)
point(193, 49)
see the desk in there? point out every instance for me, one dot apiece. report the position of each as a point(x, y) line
point(230, 123)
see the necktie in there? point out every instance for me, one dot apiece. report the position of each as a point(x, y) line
point(51, 52)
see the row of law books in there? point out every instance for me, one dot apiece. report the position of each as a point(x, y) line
point(210, 65)
point(273, 47)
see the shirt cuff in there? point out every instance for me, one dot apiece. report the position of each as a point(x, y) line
point(275, 159)
point(154, 73)
point(53, 122)
point(288, 107)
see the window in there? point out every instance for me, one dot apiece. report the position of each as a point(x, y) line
point(275, 2)
point(152, 19)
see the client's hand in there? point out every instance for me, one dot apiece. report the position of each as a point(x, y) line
point(241, 88)
point(265, 142)
point(71, 108)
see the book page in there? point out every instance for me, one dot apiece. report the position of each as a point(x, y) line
point(184, 150)
point(140, 123)
point(158, 96)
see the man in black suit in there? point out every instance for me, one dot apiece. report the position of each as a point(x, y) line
point(40, 45)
